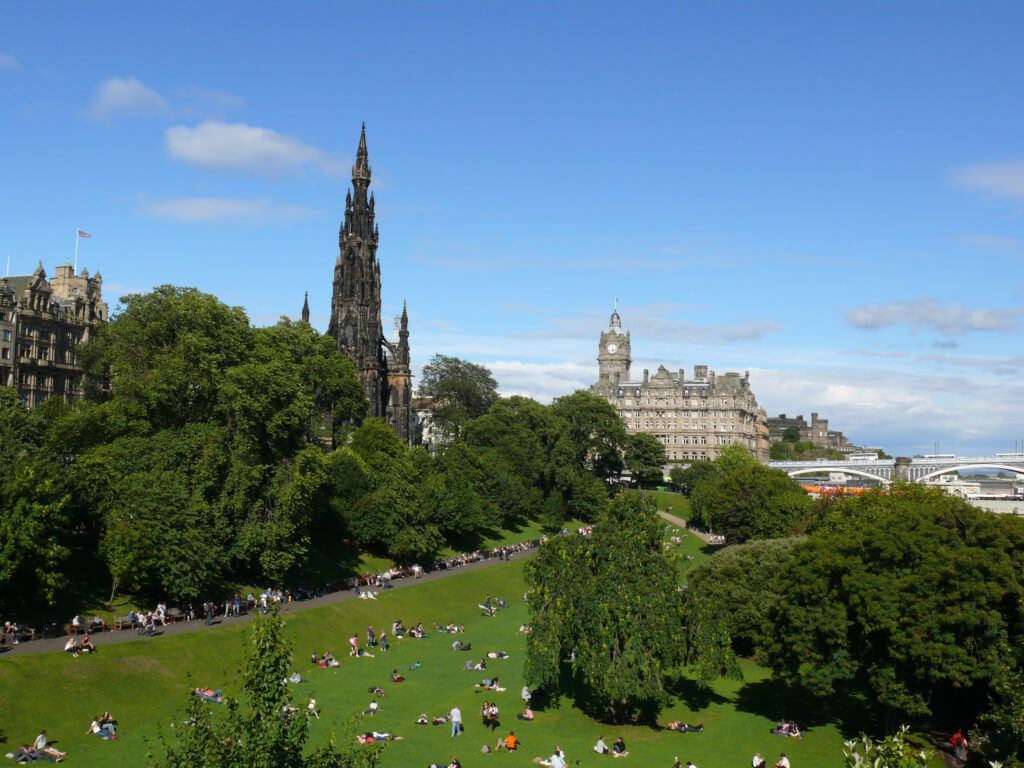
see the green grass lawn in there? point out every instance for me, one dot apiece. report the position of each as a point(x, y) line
point(676, 503)
point(145, 682)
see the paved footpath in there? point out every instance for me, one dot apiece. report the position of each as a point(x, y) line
point(678, 521)
point(181, 627)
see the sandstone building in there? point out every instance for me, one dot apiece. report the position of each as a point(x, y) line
point(41, 323)
point(693, 418)
point(817, 432)
point(355, 322)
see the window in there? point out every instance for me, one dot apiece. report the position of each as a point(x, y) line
point(5, 353)
point(7, 335)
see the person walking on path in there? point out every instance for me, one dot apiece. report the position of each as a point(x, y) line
point(208, 611)
point(456, 717)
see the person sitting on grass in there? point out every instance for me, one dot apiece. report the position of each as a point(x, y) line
point(619, 748)
point(458, 645)
point(395, 677)
point(480, 666)
point(423, 719)
point(600, 748)
point(398, 629)
point(526, 714)
point(72, 647)
point(311, 708)
point(557, 760)
point(510, 742)
point(103, 730)
point(487, 684)
point(295, 677)
point(42, 744)
point(676, 763)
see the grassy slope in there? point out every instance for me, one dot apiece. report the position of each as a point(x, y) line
point(143, 683)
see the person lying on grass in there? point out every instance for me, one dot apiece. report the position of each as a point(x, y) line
point(497, 655)
point(327, 660)
point(458, 645)
point(371, 736)
point(480, 665)
point(372, 710)
point(209, 695)
point(295, 677)
point(27, 754)
point(681, 727)
point(376, 690)
point(42, 744)
point(488, 685)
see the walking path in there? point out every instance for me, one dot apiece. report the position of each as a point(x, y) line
point(678, 521)
point(181, 627)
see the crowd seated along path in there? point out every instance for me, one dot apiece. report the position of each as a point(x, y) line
point(235, 609)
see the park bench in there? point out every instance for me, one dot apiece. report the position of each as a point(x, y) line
point(71, 629)
point(123, 622)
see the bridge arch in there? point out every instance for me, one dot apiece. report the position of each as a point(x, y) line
point(957, 468)
point(845, 470)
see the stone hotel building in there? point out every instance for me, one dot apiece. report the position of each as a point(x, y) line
point(693, 418)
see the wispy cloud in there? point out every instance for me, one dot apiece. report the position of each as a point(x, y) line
point(7, 61)
point(654, 321)
point(997, 179)
point(237, 147)
point(875, 353)
point(997, 365)
point(195, 102)
point(949, 319)
point(219, 208)
point(126, 96)
point(991, 241)
point(945, 344)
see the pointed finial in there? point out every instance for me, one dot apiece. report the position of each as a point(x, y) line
point(305, 309)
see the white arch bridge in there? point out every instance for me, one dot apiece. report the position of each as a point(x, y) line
point(917, 470)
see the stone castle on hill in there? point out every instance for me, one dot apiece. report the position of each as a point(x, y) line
point(693, 418)
point(355, 322)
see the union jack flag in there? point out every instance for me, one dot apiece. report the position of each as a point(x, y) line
point(83, 234)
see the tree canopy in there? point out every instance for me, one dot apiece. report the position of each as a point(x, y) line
point(909, 592)
point(461, 390)
point(611, 603)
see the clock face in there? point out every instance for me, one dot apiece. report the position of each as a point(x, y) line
point(612, 348)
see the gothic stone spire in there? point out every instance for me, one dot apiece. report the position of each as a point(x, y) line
point(305, 309)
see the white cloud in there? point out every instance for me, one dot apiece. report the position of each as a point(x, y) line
point(998, 179)
point(237, 146)
point(950, 319)
point(7, 61)
point(219, 208)
point(875, 353)
point(126, 96)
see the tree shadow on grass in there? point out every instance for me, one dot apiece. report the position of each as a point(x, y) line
point(775, 700)
point(694, 695)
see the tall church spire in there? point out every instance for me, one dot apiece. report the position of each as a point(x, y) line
point(305, 309)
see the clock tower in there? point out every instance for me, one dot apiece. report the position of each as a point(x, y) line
point(613, 356)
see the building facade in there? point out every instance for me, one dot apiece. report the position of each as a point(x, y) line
point(694, 418)
point(817, 432)
point(41, 324)
point(355, 322)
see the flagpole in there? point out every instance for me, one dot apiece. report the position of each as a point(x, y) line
point(77, 237)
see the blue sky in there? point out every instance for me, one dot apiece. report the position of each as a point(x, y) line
point(828, 195)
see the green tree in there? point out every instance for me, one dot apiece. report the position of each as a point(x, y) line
point(747, 500)
point(645, 457)
point(461, 390)
point(611, 602)
point(999, 735)
point(596, 431)
point(791, 435)
point(740, 580)
point(263, 732)
point(907, 591)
